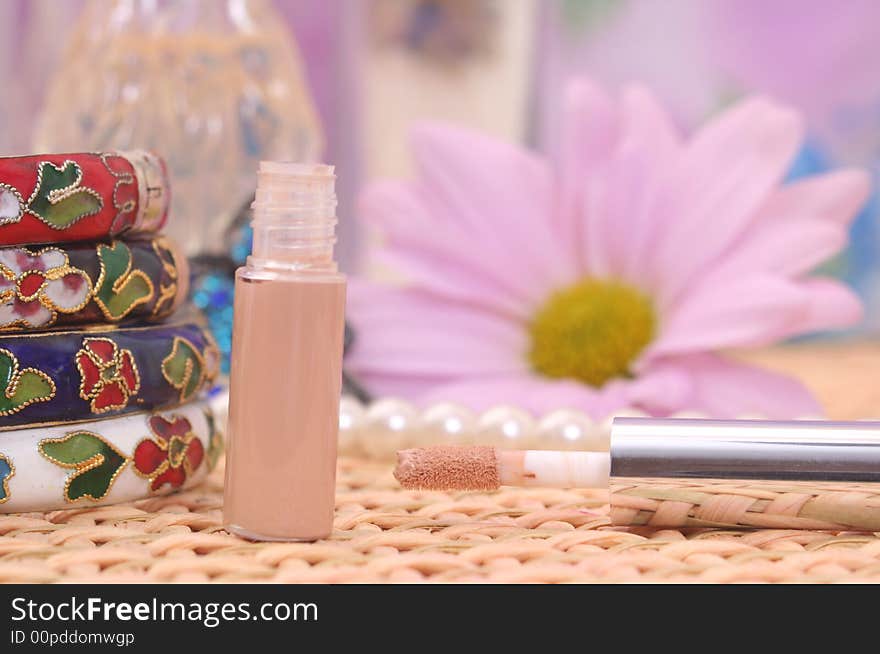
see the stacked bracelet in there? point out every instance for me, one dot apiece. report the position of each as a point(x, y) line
point(107, 461)
point(60, 198)
point(90, 283)
point(83, 374)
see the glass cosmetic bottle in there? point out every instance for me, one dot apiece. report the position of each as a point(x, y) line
point(286, 361)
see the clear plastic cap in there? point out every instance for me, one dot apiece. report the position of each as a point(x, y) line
point(294, 216)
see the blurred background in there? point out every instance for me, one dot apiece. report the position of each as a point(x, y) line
point(343, 80)
point(217, 85)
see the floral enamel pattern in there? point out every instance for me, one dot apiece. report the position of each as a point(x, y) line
point(125, 192)
point(186, 369)
point(120, 289)
point(6, 472)
point(83, 197)
point(95, 462)
point(21, 388)
point(36, 287)
point(150, 453)
point(109, 375)
point(215, 441)
point(11, 204)
point(173, 455)
point(60, 199)
point(168, 287)
point(96, 372)
point(81, 283)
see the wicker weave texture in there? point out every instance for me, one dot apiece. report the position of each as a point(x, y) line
point(751, 504)
point(386, 535)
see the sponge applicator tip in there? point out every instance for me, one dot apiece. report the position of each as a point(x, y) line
point(448, 468)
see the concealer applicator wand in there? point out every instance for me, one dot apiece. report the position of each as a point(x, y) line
point(691, 473)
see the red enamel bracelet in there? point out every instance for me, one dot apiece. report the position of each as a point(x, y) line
point(57, 198)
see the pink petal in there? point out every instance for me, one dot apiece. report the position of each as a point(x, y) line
point(800, 225)
point(835, 196)
point(753, 311)
point(750, 311)
point(590, 129)
point(538, 395)
point(712, 195)
point(439, 275)
point(615, 224)
point(790, 248)
point(408, 331)
point(436, 253)
point(725, 389)
point(660, 390)
point(409, 386)
point(831, 305)
point(499, 194)
point(652, 142)
point(403, 213)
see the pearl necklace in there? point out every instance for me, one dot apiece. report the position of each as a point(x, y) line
point(378, 429)
point(389, 424)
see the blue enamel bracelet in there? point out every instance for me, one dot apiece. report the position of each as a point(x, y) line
point(74, 375)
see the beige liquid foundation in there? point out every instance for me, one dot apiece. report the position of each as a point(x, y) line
point(286, 373)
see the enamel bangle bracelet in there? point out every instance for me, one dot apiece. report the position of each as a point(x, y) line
point(84, 283)
point(60, 198)
point(75, 375)
point(107, 461)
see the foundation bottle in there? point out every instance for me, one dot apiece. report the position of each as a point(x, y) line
point(286, 373)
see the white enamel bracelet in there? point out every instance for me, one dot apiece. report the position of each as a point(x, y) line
point(107, 461)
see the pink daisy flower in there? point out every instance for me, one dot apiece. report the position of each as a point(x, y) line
point(611, 277)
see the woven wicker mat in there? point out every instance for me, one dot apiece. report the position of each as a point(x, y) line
point(383, 534)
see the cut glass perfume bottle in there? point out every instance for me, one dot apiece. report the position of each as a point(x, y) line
point(213, 85)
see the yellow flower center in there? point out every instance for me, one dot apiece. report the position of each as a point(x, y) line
point(591, 331)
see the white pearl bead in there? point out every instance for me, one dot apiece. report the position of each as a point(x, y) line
point(505, 427)
point(604, 427)
point(446, 424)
point(387, 427)
point(751, 416)
point(351, 418)
point(622, 413)
point(570, 430)
point(689, 415)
